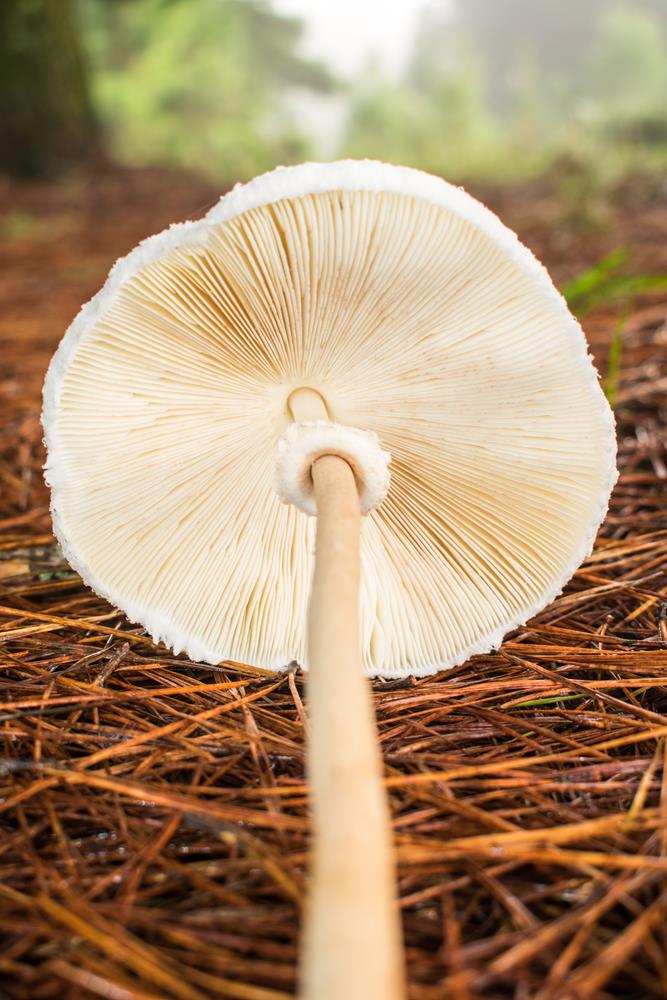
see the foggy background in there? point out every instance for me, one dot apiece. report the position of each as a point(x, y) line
point(471, 89)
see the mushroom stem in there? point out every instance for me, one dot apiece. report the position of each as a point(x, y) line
point(352, 944)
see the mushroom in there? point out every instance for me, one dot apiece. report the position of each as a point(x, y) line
point(239, 374)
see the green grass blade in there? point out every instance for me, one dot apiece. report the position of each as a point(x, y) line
point(580, 288)
point(613, 377)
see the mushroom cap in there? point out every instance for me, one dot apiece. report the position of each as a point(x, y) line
point(417, 315)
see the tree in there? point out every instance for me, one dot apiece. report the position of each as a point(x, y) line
point(46, 117)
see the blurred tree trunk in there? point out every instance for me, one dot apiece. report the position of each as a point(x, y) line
point(46, 116)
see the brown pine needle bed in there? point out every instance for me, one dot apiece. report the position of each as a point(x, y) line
point(153, 812)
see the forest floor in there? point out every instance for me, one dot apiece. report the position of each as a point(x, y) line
point(153, 812)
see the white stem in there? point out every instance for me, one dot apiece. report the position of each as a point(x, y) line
point(352, 947)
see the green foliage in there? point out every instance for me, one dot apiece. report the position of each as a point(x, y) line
point(504, 89)
point(198, 84)
point(19, 225)
point(613, 376)
point(494, 89)
point(554, 700)
point(603, 284)
point(439, 122)
point(578, 291)
point(627, 70)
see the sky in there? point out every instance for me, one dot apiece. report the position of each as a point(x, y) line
point(347, 33)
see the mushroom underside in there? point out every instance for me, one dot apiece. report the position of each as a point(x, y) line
point(164, 420)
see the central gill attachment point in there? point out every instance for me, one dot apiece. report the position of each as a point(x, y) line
point(313, 435)
point(306, 404)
